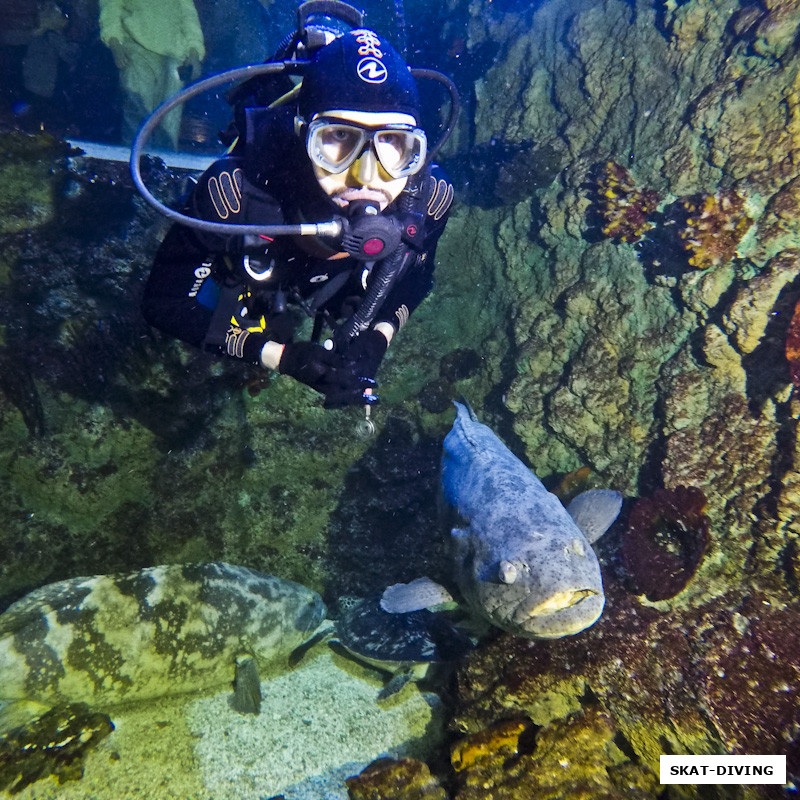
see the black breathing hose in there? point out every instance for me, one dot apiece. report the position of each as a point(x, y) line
point(455, 109)
point(381, 282)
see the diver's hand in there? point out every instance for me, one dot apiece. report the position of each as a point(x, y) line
point(313, 365)
point(364, 353)
point(360, 360)
point(352, 392)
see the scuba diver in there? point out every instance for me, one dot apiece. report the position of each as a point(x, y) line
point(346, 145)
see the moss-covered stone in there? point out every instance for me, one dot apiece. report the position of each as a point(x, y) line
point(29, 181)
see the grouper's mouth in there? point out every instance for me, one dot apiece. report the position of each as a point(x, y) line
point(558, 601)
point(558, 612)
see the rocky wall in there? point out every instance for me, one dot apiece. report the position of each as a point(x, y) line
point(656, 357)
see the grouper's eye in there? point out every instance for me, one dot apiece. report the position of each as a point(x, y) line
point(507, 572)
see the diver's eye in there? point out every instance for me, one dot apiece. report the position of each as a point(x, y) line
point(337, 143)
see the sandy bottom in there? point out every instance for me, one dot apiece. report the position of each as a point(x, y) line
point(319, 724)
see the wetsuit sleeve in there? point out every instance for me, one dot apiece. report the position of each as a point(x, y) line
point(181, 293)
point(415, 285)
point(191, 279)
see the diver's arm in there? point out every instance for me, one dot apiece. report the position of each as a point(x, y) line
point(403, 299)
point(172, 300)
point(185, 286)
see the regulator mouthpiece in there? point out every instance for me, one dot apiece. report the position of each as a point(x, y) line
point(368, 236)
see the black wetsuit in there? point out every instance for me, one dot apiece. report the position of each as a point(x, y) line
point(199, 290)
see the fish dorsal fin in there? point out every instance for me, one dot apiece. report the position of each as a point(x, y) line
point(403, 598)
point(594, 511)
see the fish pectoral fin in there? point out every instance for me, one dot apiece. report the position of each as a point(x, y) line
point(594, 511)
point(403, 598)
point(325, 631)
point(246, 697)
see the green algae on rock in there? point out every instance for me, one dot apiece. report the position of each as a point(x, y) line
point(30, 183)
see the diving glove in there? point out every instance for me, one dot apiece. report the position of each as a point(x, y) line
point(360, 361)
point(312, 365)
point(363, 355)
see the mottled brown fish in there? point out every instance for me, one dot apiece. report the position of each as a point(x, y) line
point(164, 630)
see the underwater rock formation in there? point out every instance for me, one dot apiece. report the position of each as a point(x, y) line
point(624, 208)
point(773, 28)
point(496, 743)
point(390, 779)
point(573, 758)
point(779, 227)
point(747, 678)
point(658, 376)
point(665, 541)
point(30, 185)
point(714, 227)
point(54, 744)
point(693, 697)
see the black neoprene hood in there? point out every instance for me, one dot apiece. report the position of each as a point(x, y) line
point(359, 71)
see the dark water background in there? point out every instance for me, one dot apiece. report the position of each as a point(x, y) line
point(75, 92)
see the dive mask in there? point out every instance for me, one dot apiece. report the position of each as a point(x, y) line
point(336, 144)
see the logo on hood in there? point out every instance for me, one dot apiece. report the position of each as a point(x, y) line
point(371, 70)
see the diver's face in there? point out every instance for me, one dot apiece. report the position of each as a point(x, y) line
point(365, 178)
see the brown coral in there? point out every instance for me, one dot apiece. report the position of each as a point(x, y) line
point(573, 759)
point(666, 539)
point(715, 225)
point(624, 208)
point(793, 346)
point(495, 743)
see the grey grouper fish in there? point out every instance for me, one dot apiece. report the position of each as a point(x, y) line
point(165, 630)
point(522, 561)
